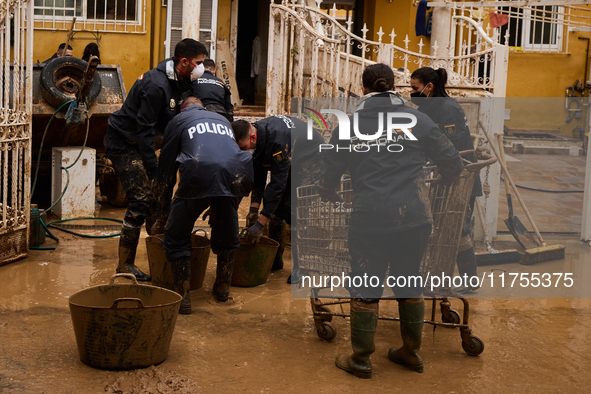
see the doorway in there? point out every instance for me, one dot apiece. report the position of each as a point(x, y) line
point(253, 22)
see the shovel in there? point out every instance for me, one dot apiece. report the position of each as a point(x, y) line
point(517, 229)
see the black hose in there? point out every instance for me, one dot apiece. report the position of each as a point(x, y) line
point(546, 191)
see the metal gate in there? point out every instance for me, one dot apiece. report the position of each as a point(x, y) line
point(311, 54)
point(16, 60)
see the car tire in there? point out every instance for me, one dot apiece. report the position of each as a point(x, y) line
point(61, 79)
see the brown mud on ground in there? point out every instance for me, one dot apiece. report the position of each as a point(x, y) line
point(265, 341)
point(151, 381)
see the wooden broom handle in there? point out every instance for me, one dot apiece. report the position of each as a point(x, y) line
point(506, 173)
point(482, 219)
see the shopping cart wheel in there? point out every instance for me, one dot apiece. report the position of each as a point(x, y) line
point(327, 332)
point(323, 318)
point(451, 317)
point(474, 347)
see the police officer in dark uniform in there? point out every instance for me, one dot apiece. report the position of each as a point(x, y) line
point(428, 91)
point(214, 173)
point(154, 99)
point(391, 215)
point(213, 92)
point(271, 139)
point(281, 146)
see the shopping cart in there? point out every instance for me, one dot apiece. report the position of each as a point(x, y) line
point(322, 229)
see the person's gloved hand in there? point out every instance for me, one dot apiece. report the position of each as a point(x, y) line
point(254, 232)
point(158, 226)
point(252, 216)
point(211, 216)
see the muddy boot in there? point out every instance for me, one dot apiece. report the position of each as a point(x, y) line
point(276, 226)
point(364, 320)
point(181, 275)
point(127, 248)
point(223, 278)
point(411, 328)
point(466, 261)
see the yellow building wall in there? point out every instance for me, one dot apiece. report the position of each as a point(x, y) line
point(536, 75)
point(136, 53)
point(397, 15)
point(131, 51)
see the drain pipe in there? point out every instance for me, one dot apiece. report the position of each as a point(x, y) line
point(586, 63)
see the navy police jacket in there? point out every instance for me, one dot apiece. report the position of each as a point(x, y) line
point(213, 93)
point(390, 193)
point(451, 120)
point(273, 153)
point(203, 147)
point(154, 99)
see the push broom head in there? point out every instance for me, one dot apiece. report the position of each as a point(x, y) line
point(500, 257)
point(542, 253)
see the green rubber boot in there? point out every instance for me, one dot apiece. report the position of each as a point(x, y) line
point(181, 274)
point(412, 317)
point(364, 320)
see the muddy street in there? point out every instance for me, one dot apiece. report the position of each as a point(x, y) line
point(263, 340)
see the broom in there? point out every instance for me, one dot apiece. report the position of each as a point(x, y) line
point(542, 252)
point(493, 256)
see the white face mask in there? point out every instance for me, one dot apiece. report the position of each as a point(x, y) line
point(197, 72)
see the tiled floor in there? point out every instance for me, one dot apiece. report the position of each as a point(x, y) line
point(552, 212)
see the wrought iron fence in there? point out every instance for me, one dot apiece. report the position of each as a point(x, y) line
point(16, 60)
point(311, 54)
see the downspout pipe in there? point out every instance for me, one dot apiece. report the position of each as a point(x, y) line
point(586, 76)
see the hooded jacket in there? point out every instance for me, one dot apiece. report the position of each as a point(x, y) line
point(154, 99)
point(390, 193)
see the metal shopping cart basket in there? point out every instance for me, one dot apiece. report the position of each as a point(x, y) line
point(322, 230)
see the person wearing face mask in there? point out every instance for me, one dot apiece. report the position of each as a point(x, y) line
point(130, 140)
point(428, 92)
point(214, 173)
point(391, 217)
point(275, 141)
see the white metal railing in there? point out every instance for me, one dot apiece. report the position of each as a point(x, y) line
point(311, 54)
point(120, 16)
point(16, 60)
point(539, 28)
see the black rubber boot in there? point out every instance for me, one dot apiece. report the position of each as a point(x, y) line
point(223, 278)
point(181, 275)
point(412, 318)
point(276, 227)
point(466, 261)
point(364, 320)
point(127, 248)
